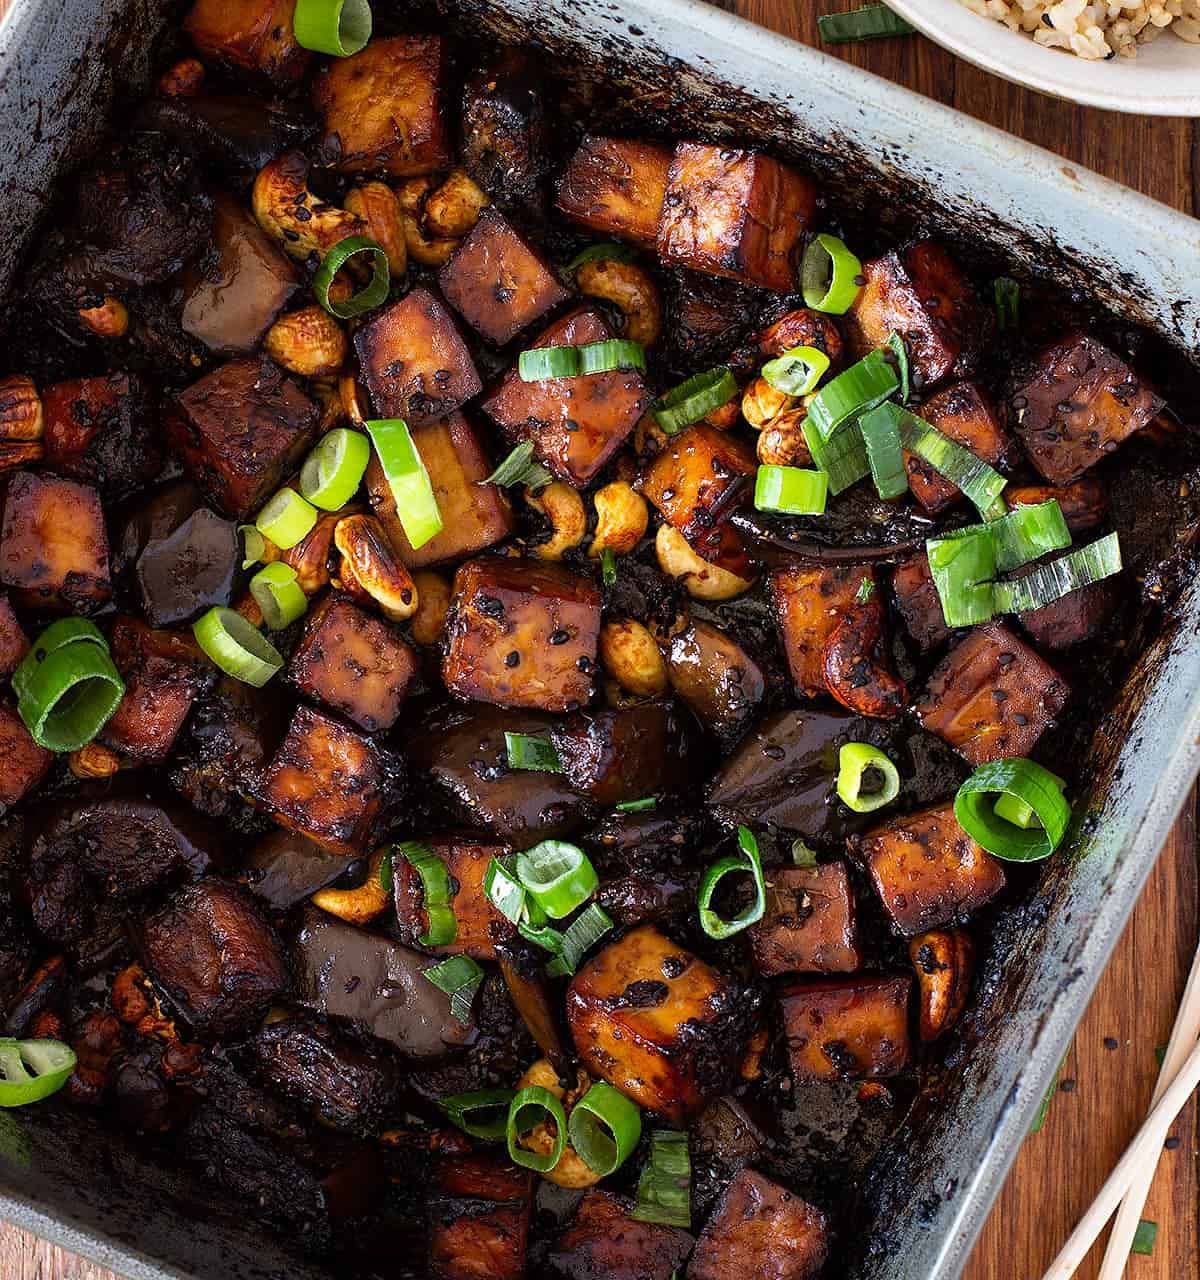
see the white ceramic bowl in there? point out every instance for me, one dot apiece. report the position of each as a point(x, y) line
point(1163, 80)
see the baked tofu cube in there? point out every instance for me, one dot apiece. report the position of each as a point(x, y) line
point(616, 186)
point(480, 925)
point(991, 696)
point(921, 294)
point(576, 424)
point(846, 1028)
point(1077, 404)
point(25, 763)
point(809, 603)
point(717, 678)
point(919, 604)
point(696, 476)
point(102, 431)
point(355, 663)
point(498, 282)
point(13, 643)
point(737, 214)
point(239, 430)
point(961, 412)
point(163, 672)
point(760, 1231)
point(522, 633)
point(809, 926)
point(927, 870)
point(659, 1024)
point(479, 1209)
point(53, 544)
point(382, 107)
point(474, 515)
point(250, 35)
point(1083, 502)
point(414, 360)
point(325, 781)
point(603, 1240)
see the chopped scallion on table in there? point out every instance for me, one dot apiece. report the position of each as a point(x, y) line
point(872, 22)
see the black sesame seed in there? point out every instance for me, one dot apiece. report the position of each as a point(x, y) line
point(1111, 1042)
point(1171, 1144)
point(512, 659)
point(559, 637)
point(1067, 1086)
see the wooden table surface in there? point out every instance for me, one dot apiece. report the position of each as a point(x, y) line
point(1110, 1074)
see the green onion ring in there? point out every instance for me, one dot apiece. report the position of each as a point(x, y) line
point(340, 28)
point(899, 349)
point(881, 436)
point(843, 458)
point(1050, 582)
point(278, 595)
point(712, 923)
point(460, 1106)
point(791, 490)
point(558, 876)
point(287, 519)
point(664, 1188)
point(521, 1111)
point(798, 371)
point(582, 934)
point(435, 893)
point(333, 471)
point(32, 1070)
point(63, 632)
point(694, 399)
point(540, 364)
point(604, 1128)
point(370, 295)
point(974, 807)
point(963, 568)
point(70, 696)
point(254, 544)
point(404, 469)
point(854, 759)
point(608, 566)
point(237, 648)
point(829, 276)
point(519, 468)
point(504, 891)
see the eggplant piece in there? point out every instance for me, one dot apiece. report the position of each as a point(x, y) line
point(480, 925)
point(101, 431)
point(846, 1028)
point(236, 131)
point(25, 763)
point(255, 36)
point(706, 315)
point(462, 752)
point(523, 969)
point(602, 1240)
point(810, 601)
point(919, 604)
point(962, 413)
point(696, 476)
point(190, 569)
point(1074, 618)
point(1082, 502)
point(809, 925)
point(379, 986)
point(479, 1211)
point(216, 957)
point(758, 1230)
point(13, 643)
point(506, 129)
point(236, 299)
point(616, 186)
point(382, 108)
point(285, 869)
point(646, 870)
point(658, 1023)
point(40, 991)
point(16, 943)
point(717, 679)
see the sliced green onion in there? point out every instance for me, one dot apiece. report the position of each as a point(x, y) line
point(504, 891)
point(339, 28)
point(963, 568)
point(370, 295)
point(694, 399)
point(830, 276)
point(798, 371)
point(70, 696)
point(717, 926)
point(604, 1127)
point(1050, 582)
point(435, 893)
point(32, 1070)
point(542, 363)
point(333, 471)
point(387, 872)
point(802, 855)
point(255, 545)
point(278, 595)
point(520, 468)
point(1008, 301)
point(527, 751)
point(482, 1113)
point(637, 806)
point(664, 1188)
point(530, 1107)
point(979, 482)
point(459, 977)
point(610, 251)
point(407, 478)
point(287, 519)
point(581, 936)
point(855, 760)
point(851, 394)
point(1016, 811)
point(873, 22)
point(899, 349)
point(558, 876)
point(237, 648)
point(541, 934)
point(1028, 532)
point(1144, 1237)
point(974, 807)
point(866, 589)
point(56, 636)
point(608, 566)
point(881, 436)
point(612, 353)
point(791, 490)
point(843, 458)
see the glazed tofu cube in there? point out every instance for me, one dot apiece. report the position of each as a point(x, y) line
point(659, 1024)
point(991, 696)
point(603, 1240)
point(919, 604)
point(737, 214)
point(239, 430)
point(616, 186)
point(13, 643)
point(760, 1231)
point(1079, 402)
point(921, 294)
point(696, 476)
point(53, 544)
point(522, 633)
point(576, 424)
point(25, 763)
point(479, 1209)
point(382, 107)
point(961, 412)
point(809, 926)
point(927, 870)
point(480, 925)
point(163, 672)
point(414, 360)
point(324, 781)
point(809, 603)
point(498, 282)
point(474, 515)
point(717, 678)
point(1082, 502)
point(102, 431)
point(846, 1028)
point(355, 663)
point(250, 35)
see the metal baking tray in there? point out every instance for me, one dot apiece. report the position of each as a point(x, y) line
point(675, 66)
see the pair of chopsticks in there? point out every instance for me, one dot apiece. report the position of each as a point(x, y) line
point(1129, 1184)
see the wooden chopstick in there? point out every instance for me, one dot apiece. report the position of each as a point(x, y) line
point(1149, 1139)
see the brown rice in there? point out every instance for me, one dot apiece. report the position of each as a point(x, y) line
point(1095, 28)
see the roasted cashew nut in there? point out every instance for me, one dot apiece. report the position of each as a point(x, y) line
point(360, 905)
point(309, 342)
point(563, 507)
point(370, 569)
point(453, 209)
point(621, 519)
point(570, 1171)
point(630, 654)
point(429, 253)
point(376, 204)
point(781, 442)
point(183, 80)
point(21, 417)
point(109, 320)
point(944, 960)
point(701, 579)
point(286, 210)
point(310, 556)
point(433, 603)
point(94, 761)
point(631, 289)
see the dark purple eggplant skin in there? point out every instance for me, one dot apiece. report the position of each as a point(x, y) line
point(238, 130)
point(285, 868)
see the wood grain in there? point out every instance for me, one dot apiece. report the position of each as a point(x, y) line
point(1105, 1090)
